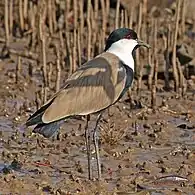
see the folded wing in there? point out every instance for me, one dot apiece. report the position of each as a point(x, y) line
point(92, 88)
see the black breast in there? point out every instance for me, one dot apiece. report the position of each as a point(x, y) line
point(129, 79)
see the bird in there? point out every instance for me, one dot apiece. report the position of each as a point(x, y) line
point(92, 88)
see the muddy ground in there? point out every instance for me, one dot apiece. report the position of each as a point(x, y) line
point(143, 151)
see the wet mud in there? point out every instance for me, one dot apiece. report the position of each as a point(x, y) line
point(143, 150)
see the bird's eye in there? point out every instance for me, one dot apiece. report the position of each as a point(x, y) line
point(128, 36)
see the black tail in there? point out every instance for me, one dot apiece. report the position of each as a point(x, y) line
point(48, 130)
point(36, 118)
point(45, 129)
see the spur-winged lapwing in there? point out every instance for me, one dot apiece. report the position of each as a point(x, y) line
point(96, 85)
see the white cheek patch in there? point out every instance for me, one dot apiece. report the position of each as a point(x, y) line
point(123, 49)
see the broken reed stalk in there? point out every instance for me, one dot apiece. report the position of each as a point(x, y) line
point(166, 54)
point(38, 101)
point(68, 51)
point(137, 52)
point(58, 69)
point(25, 54)
point(175, 72)
point(117, 14)
point(182, 80)
point(88, 30)
point(6, 20)
point(18, 69)
point(155, 73)
point(49, 75)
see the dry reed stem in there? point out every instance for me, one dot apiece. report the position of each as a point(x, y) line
point(11, 17)
point(151, 71)
point(117, 14)
point(74, 51)
point(42, 19)
point(66, 15)
point(21, 15)
point(145, 7)
point(26, 54)
point(49, 75)
point(75, 13)
point(107, 5)
point(131, 17)
point(68, 51)
point(155, 74)
point(94, 24)
point(62, 41)
point(88, 30)
point(182, 80)
point(122, 19)
point(81, 23)
point(167, 61)
point(126, 19)
point(58, 69)
point(137, 52)
point(25, 11)
point(175, 72)
point(38, 100)
point(183, 14)
point(33, 11)
point(50, 18)
point(79, 47)
point(104, 21)
point(93, 28)
point(96, 7)
point(44, 92)
point(6, 20)
point(54, 16)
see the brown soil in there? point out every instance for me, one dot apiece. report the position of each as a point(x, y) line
point(143, 151)
point(138, 146)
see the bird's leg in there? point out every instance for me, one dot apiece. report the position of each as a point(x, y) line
point(88, 143)
point(96, 138)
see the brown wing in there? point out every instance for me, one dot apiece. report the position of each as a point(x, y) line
point(95, 86)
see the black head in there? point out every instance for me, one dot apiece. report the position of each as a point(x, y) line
point(120, 33)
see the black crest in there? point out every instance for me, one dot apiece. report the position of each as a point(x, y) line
point(121, 33)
